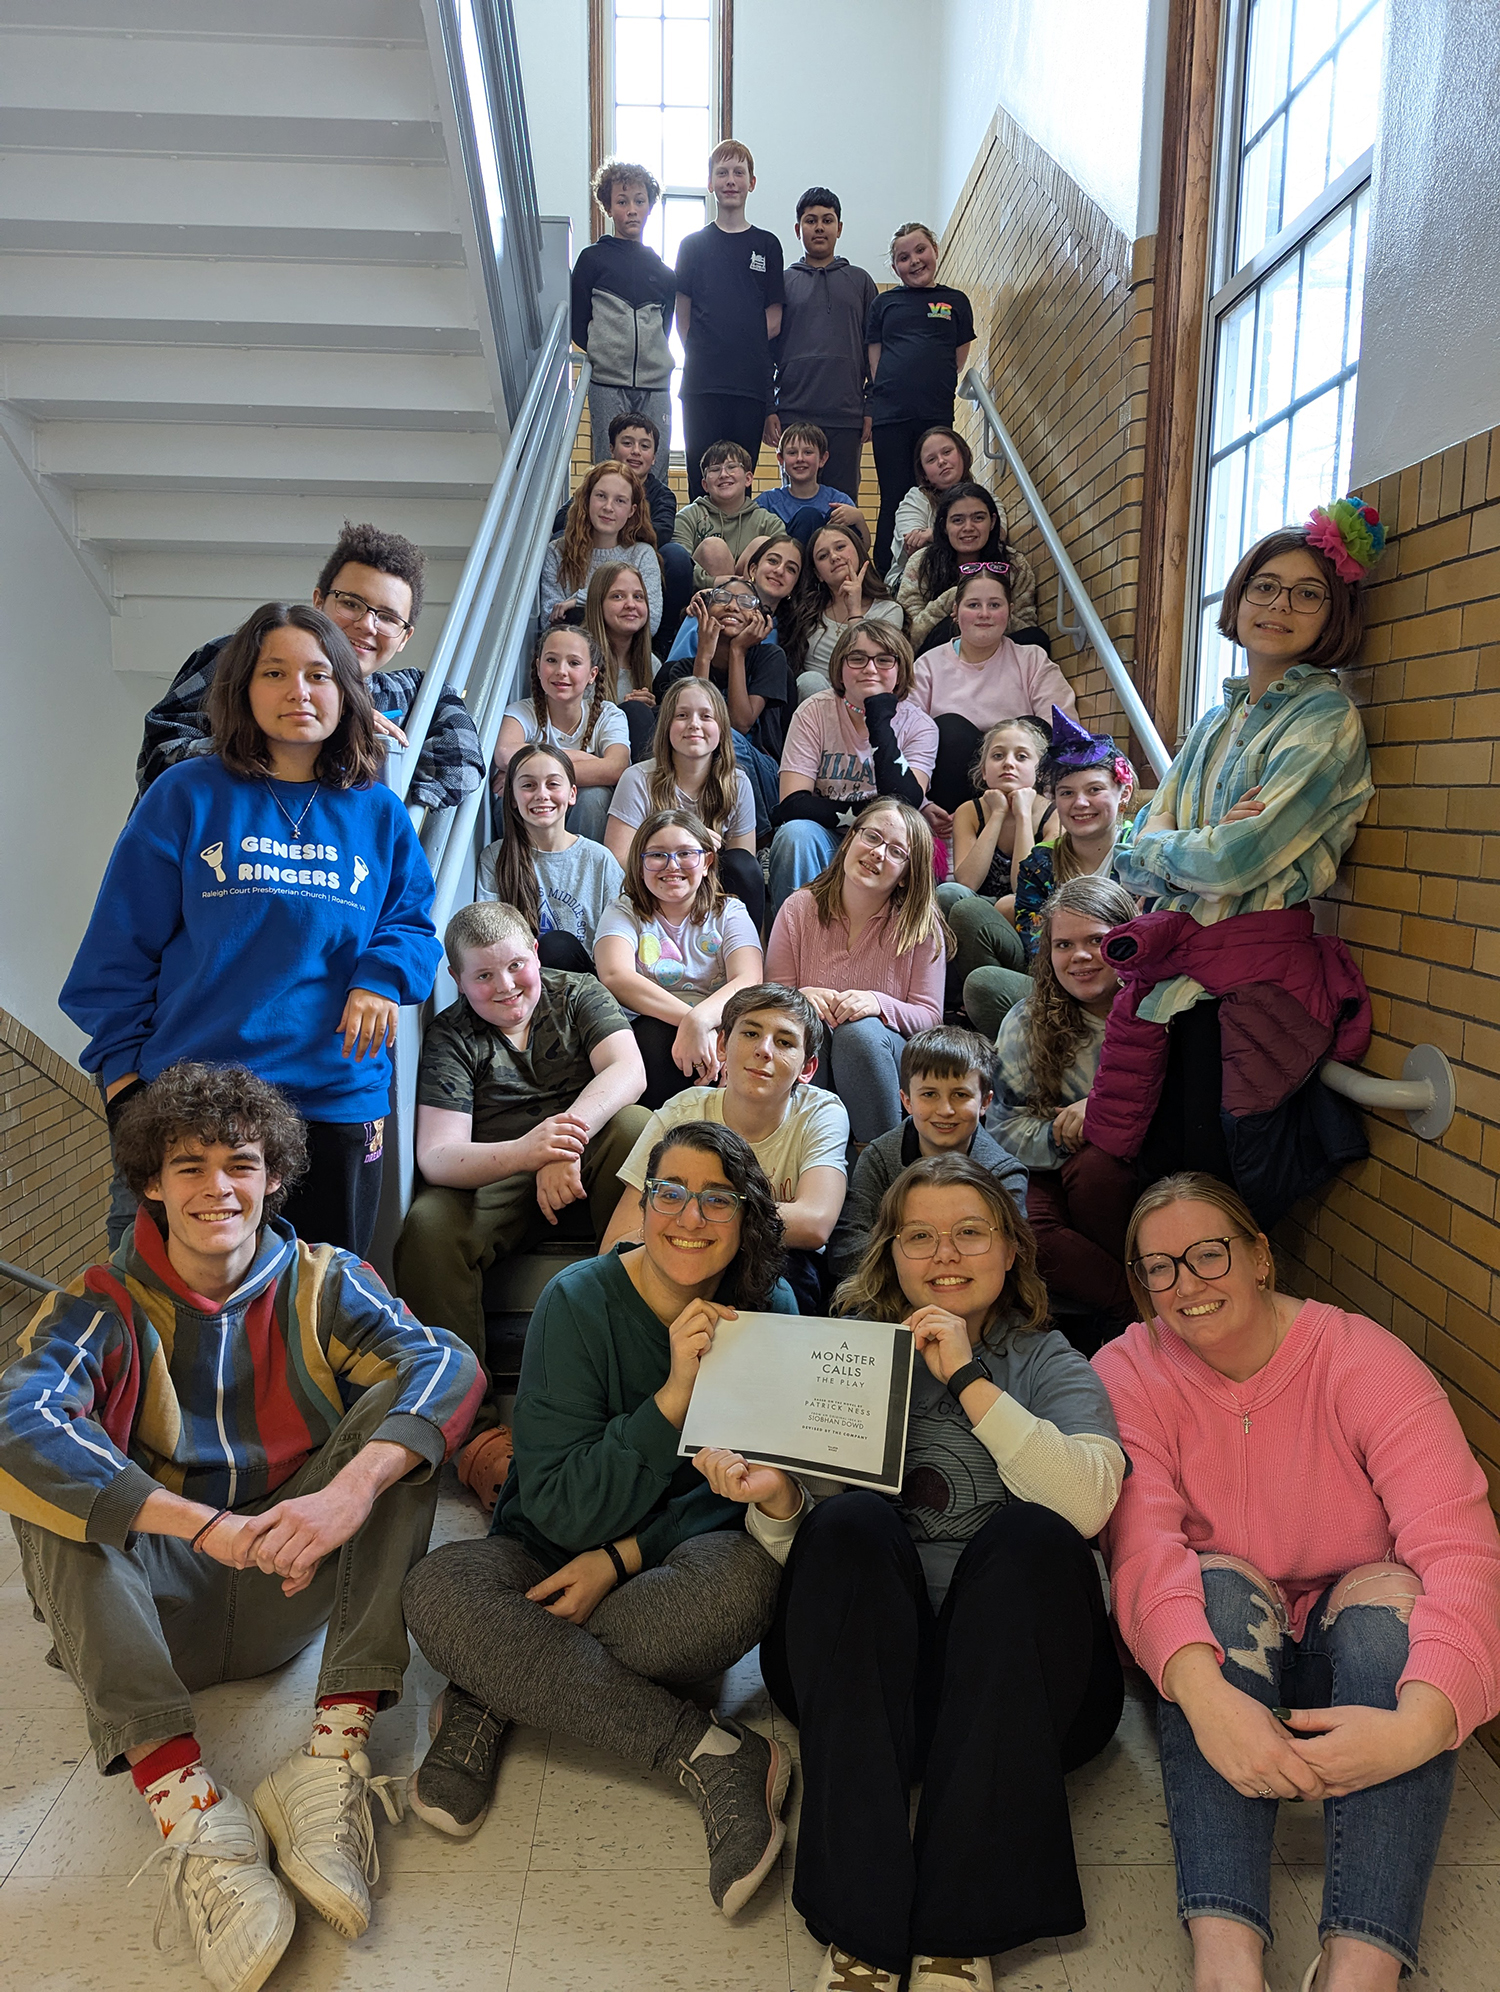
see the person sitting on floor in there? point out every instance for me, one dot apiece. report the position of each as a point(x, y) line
point(865, 944)
point(1305, 1562)
point(947, 1084)
point(525, 1104)
point(568, 708)
point(558, 883)
point(1080, 1199)
point(674, 948)
point(955, 1636)
point(213, 1446)
point(614, 1579)
point(769, 1043)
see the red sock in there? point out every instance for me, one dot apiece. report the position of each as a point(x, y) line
point(341, 1724)
point(174, 1782)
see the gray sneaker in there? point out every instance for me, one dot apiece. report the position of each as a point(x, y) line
point(456, 1779)
point(740, 1797)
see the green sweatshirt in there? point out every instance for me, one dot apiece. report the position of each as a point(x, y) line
point(595, 1459)
point(702, 519)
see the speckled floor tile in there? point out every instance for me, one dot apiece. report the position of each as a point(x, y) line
point(441, 1933)
point(1472, 1833)
point(600, 1813)
point(10, 1552)
point(1480, 1768)
point(37, 1757)
point(1460, 1930)
point(26, 1682)
point(1116, 1800)
point(644, 1931)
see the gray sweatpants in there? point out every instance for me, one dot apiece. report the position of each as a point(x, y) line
point(142, 1629)
point(609, 1682)
point(605, 403)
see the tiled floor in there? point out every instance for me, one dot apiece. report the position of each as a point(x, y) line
point(588, 1873)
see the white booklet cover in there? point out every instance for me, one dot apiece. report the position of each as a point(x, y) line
point(827, 1398)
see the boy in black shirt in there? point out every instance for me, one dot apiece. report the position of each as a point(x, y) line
point(623, 297)
point(729, 294)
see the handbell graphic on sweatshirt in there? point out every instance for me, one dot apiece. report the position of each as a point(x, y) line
point(213, 857)
point(361, 873)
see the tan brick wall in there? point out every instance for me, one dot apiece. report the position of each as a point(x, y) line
point(1062, 312)
point(54, 1170)
point(1412, 1236)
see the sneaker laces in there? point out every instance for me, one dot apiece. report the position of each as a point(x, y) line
point(467, 1732)
point(337, 1809)
point(852, 1976)
point(690, 1773)
point(205, 1887)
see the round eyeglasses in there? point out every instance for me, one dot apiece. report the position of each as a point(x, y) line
point(672, 1199)
point(1305, 597)
point(873, 841)
point(1209, 1259)
point(970, 1239)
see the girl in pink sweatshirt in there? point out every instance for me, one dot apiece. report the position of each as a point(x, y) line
point(866, 944)
point(1304, 1561)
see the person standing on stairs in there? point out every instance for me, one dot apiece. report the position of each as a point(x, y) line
point(822, 367)
point(622, 300)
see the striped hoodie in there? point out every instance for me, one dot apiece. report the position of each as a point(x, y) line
point(128, 1381)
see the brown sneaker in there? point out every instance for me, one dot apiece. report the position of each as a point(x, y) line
point(484, 1464)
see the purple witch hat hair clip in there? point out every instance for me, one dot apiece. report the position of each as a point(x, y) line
point(1074, 748)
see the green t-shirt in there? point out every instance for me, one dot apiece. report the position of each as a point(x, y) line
point(471, 1067)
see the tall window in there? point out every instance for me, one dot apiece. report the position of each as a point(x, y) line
point(660, 64)
point(1292, 223)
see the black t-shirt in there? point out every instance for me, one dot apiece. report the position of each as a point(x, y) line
point(919, 333)
point(766, 677)
point(731, 282)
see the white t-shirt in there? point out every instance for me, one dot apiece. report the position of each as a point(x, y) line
point(825, 742)
point(575, 885)
point(814, 1134)
point(611, 730)
point(687, 961)
point(632, 801)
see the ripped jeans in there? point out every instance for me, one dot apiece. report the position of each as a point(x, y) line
point(1379, 1844)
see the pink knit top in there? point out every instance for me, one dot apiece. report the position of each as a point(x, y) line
point(809, 956)
point(1343, 1450)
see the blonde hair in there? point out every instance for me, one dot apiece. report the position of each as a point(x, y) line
point(482, 925)
point(913, 906)
point(638, 895)
point(909, 228)
point(717, 796)
point(1188, 1186)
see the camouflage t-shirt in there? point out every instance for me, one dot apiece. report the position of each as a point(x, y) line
point(471, 1067)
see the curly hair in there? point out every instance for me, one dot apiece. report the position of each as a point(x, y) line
point(637, 894)
point(812, 599)
point(1056, 1023)
point(639, 661)
point(1340, 637)
point(873, 1291)
point(349, 758)
point(211, 1103)
point(612, 173)
point(578, 533)
point(715, 800)
point(912, 909)
point(388, 553)
point(598, 698)
point(515, 870)
point(761, 1254)
point(941, 560)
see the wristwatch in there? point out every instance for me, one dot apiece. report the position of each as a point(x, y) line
point(960, 1380)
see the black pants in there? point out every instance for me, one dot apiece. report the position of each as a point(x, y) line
point(337, 1200)
point(640, 723)
point(664, 1079)
point(988, 1702)
point(958, 748)
point(844, 447)
point(559, 950)
point(744, 880)
point(676, 593)
point(895, 447)
point(1186, 1131)
point(719, 418)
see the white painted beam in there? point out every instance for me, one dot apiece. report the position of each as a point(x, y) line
point(188, 134)
point(145, 456)
point(164, 522)
point(393, 21)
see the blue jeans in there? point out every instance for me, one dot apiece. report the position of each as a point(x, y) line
point(764, 776)
point(1380, 1844)
point(799, 851)
point(861, 1062)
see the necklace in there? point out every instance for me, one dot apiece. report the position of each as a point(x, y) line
point(1259, 1376)
point(295, 821)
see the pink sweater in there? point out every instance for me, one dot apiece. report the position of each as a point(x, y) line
point(800, 952)
point(1342, 1450)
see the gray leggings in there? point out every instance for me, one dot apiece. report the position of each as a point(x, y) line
point(861, 1062)
point(607, 1682)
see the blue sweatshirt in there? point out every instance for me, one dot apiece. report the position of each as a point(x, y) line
point(220, 935)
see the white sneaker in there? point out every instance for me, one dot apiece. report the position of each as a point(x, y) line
point(839, 1972)
point(951, 1974)
point(317, 1812)
point(220, 1884)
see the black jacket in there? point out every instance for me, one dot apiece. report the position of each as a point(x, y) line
point(623, 300)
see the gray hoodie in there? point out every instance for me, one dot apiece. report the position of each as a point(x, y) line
point(822, 373)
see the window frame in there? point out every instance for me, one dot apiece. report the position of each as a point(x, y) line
point(1225, 288)
point(602, 96)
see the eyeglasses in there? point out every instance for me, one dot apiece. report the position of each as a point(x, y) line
point(983, 567)
point(873, 841)
point(1209, 1259)
point(1304, 597)
point(357, 608)
point(660, 861)
point(970, 1238)
point(672, 1199)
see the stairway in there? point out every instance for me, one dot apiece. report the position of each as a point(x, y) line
point(241, 298)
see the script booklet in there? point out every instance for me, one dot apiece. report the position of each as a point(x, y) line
point(826, 1398)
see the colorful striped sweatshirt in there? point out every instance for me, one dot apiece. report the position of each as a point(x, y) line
point(1302, 744)
point(128, 1381)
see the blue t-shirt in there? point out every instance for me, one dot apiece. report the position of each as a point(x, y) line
point(786, 505)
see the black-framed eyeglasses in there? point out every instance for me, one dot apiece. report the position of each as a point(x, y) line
point(1208, 1259)
point(672, 1199)
point(1305, 598)
point(356, 607)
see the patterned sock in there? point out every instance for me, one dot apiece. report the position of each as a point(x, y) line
point(174, 1782)
point(341, 1727)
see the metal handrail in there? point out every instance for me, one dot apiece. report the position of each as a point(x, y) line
point(18, 1276)
point(973, 388)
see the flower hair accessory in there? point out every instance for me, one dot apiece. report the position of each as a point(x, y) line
point(1074, 748)
point(1349, 533)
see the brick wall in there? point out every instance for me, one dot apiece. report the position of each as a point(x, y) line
point(1412, 1236)
point(1062, 309)
point(54, 1170)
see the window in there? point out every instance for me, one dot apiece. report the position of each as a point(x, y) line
point(659, 71)
point(1292, 224)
